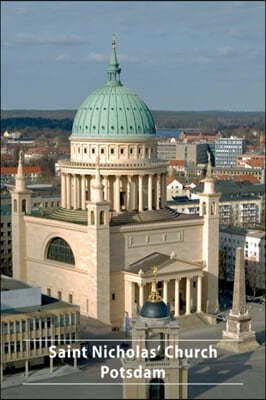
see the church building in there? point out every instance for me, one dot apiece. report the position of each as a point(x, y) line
point(97, 250)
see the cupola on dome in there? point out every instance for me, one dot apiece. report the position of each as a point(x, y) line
point(113, 111)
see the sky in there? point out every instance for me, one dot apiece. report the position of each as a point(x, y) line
point(192, 56)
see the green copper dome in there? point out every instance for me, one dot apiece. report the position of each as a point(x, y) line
point(113, 111)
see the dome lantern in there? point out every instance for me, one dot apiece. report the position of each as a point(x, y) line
point(113, 69)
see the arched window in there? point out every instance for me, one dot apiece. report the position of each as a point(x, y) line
point(102, 218)
point(24, 205)
point(204, 208)
point(59, 250)
point(15, 206)
point(92, 218)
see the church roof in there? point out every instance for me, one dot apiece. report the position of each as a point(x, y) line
point(113, 111)
point(165, 264)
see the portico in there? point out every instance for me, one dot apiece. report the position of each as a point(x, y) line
point(179, 284)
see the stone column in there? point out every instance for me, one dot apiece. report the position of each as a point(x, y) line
point(140, 193)
point(131, 295)
point(188, 296)
point(83, 192)
point(89, 187)
point(134, 193)
point(158, 192)
point(150, 192)
point(177, 298)
point(75, 194)
point(129, 184)
point(105, 183)
point(117, 194)
point(165, 291)
point(199, 293)
point(63, 190)
point(78, 192)
point(141, 295)
point(68, 190)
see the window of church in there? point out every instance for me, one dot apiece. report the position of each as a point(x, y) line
point(92, 218)
point(15, 205)
point(93, 151)
point(122, 151)
point(112, 150)
point(24, 205)
point(102, 218)
point(85, 150)
point(102, 151)
point(59, 250)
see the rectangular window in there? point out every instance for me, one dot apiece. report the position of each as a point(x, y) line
point(18, 347)
point(72, 319)
point(49, 322)
point(12, 347)
point(62, 320)
point(73, 336)
point(37, 343)
point(56, 321)
point(59, 295)
point(31, 324)
point(43, 342)
point(11, 327)
point(62, 339)
point(17, 326)
point(5, 328)
point(56, 340)
point(67, 319)
point(70, 298)
point(6, 347)
point(43, 323)
point(37, 324)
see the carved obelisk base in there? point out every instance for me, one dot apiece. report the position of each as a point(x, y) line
point(238, 336)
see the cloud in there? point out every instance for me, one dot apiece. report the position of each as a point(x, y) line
point(225, 51)
point(63, 58)
point(100, 57)
point(29, 39)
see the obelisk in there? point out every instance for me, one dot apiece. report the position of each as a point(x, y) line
point(238, 334)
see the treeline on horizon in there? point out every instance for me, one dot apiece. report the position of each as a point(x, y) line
point(35, 122)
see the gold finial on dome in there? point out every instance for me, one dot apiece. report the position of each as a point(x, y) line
point(113, 41)
point(154, 297)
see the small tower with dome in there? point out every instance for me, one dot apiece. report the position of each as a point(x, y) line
point(209, 210)
point(154, 328)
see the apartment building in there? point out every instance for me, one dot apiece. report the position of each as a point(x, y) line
point(31, 322)
point(253, 242)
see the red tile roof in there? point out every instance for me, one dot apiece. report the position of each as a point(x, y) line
point(238, 178)
point(169, 180)
point(180, 163)
point(27, 170)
